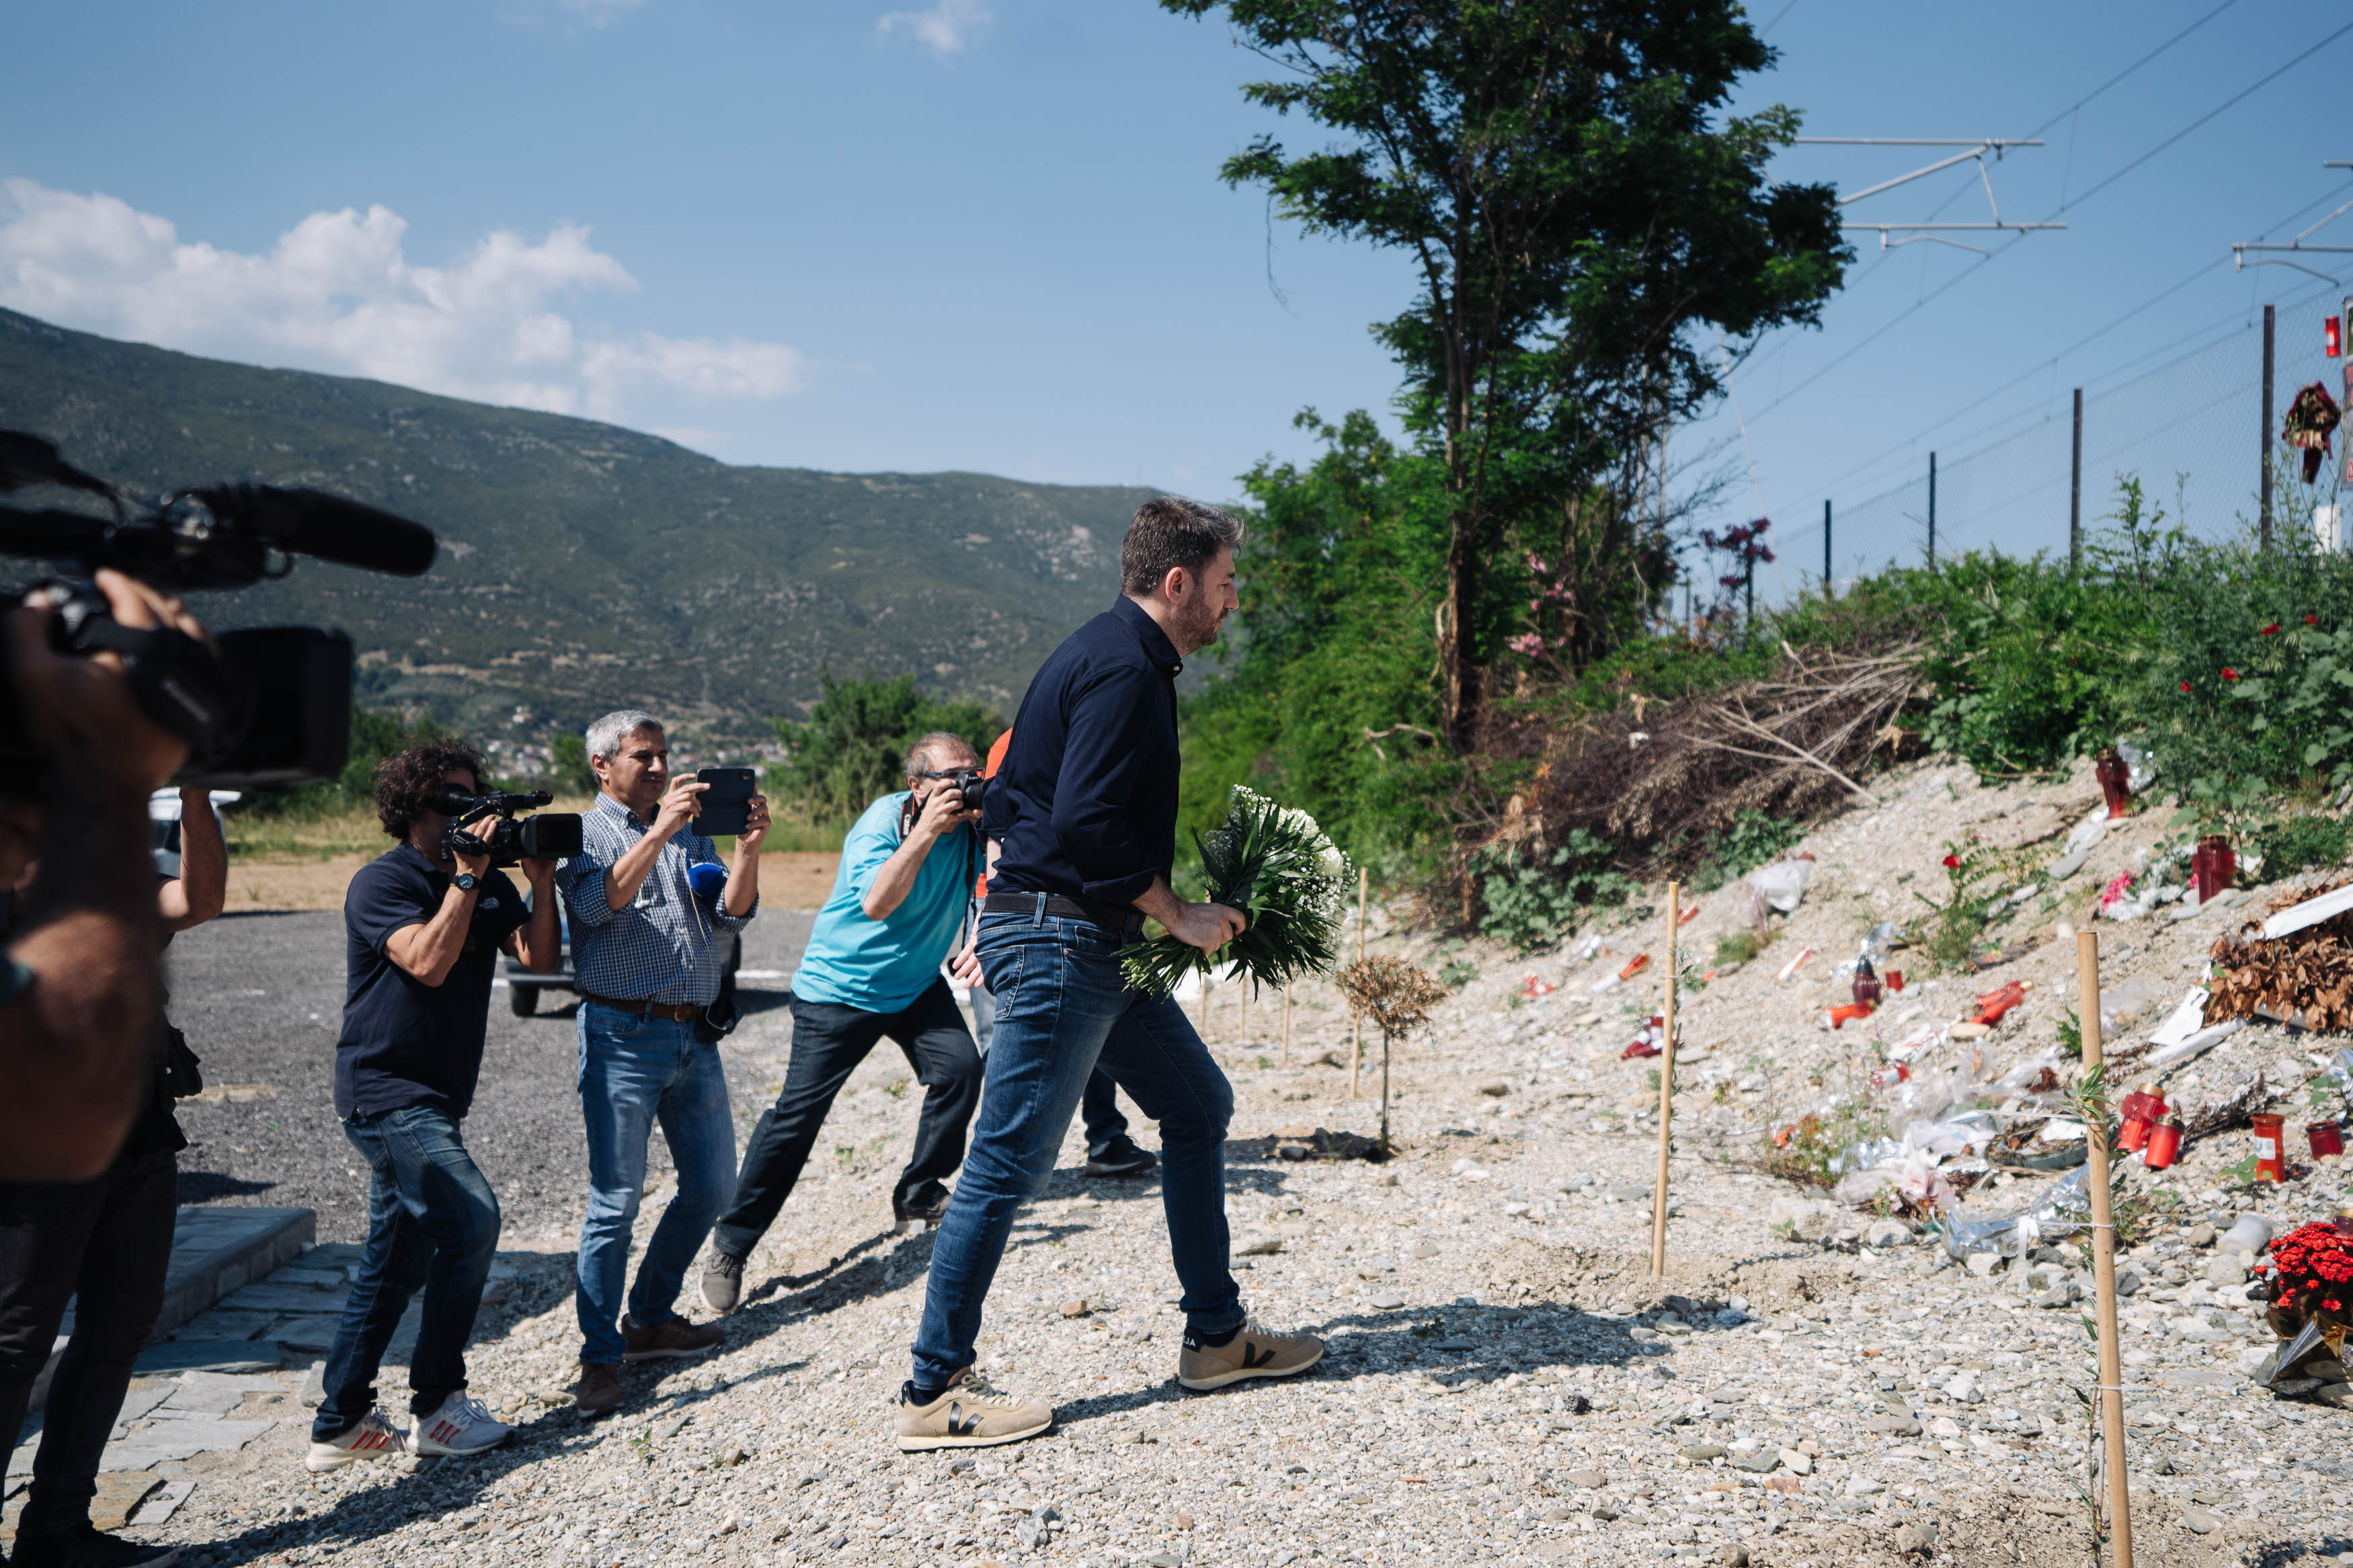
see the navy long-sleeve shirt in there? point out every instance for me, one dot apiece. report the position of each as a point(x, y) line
point(1085, 805)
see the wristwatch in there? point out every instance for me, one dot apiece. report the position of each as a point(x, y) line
point(465, 882)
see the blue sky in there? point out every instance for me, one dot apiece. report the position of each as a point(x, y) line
point(987, 234)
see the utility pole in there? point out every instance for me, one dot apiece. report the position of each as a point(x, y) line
point(2264, 449)
point(1932, 511)
point(2075, 494)
point(1830, 583)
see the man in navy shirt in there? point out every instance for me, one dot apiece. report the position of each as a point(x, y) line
point(1085, 808)
point(423, 928)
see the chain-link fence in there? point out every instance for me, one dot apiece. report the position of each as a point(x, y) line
point(2186, 419)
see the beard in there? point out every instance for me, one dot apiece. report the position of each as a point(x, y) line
point(1199, 624)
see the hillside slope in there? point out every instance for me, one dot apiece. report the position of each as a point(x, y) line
point(585, 566)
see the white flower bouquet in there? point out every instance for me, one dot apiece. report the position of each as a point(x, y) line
point(1279, 869)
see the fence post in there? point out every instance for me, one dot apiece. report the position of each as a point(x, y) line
point(1932, 511)
point(2264, 449)
point(2075, 494)
point(1830, 583)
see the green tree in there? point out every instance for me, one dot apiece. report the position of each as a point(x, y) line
point(567, 763)
point(1577, 206)
point(852, 747)
point(1330, 706)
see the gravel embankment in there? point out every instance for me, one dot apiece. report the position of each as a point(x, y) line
point(1506, 1383)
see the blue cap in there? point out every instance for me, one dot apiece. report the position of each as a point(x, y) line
point(707, 880)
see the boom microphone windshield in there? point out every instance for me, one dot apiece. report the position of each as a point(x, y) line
point(330, 528)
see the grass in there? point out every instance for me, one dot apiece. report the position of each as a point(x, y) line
point(300, 835)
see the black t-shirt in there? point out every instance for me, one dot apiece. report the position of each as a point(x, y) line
point(404, 1042)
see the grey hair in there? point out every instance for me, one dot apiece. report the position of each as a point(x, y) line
point(606, 735)
point(925, 749)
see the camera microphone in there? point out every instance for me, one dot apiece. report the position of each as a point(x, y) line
point(328, 528)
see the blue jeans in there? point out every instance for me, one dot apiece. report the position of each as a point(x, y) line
point(633, 1072)
point(433, 1224)
point(1062, 1007)
point(1106, 1128)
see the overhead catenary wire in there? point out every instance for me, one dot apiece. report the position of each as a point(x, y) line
point(2136, 162)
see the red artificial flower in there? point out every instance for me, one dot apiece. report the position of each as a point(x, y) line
point(2272, 630)
point(2332, 1306)
point(2230, 674)
point(2185, 687)
point(1952, 860)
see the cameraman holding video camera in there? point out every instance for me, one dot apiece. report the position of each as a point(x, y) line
point(109, 1241)
point(82, 984)
point(424, 922)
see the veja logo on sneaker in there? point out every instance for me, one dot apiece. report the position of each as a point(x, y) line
point(1251, 1359)
point(960, 1425)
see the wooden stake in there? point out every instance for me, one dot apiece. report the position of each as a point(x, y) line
point(1356, 1019)
point(2104, 1258)
point(1286, 1027)
point(1666, 1093)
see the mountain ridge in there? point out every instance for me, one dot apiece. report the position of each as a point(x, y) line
point(587, 566)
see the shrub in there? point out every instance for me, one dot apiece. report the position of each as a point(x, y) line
point(1752, 841)
point(2299, 843)
point(1975, 878)
point(1531, 903)
point(852, 748)
point(1737, 947)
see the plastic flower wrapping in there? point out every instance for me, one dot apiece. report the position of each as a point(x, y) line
point(1277, 867)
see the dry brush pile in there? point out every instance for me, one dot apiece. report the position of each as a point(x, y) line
point(1657, 779)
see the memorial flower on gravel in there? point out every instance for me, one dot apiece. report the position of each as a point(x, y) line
point(1277, 867)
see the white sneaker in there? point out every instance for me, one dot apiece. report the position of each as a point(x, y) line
point(460, 1427)
point(375, 1438)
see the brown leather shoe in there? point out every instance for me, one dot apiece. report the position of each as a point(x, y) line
point(675, 1338)
point(598, 1392)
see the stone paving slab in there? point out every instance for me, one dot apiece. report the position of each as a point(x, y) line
point(314, 1332)
point(214, 1251)
point(167, 1440)
point(218, 1250)
point(218, 1324)
point(120, 1494)
point(145, 1396)
point(211, 1355)
point(282, 1299)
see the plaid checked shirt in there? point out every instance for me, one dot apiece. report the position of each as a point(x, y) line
point(661, 947)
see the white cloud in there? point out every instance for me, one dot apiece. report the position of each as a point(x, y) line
point(946, 27)
point(336, 293)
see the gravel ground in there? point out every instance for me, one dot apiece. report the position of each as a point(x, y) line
point(1506, 1383)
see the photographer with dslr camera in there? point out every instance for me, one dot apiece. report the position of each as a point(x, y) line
point(649, 898)
point(872, 970)
point(424, 924)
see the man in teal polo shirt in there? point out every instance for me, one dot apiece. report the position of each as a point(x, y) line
point(871, 972)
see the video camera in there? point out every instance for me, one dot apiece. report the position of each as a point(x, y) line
point(273, 705)
point(551, 835)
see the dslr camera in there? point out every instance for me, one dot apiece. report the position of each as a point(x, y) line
point(551, 835)
point(269, 705)
point(969, 782)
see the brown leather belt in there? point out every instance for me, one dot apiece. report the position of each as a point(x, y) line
point(676, 1012)
point(1118, 917)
